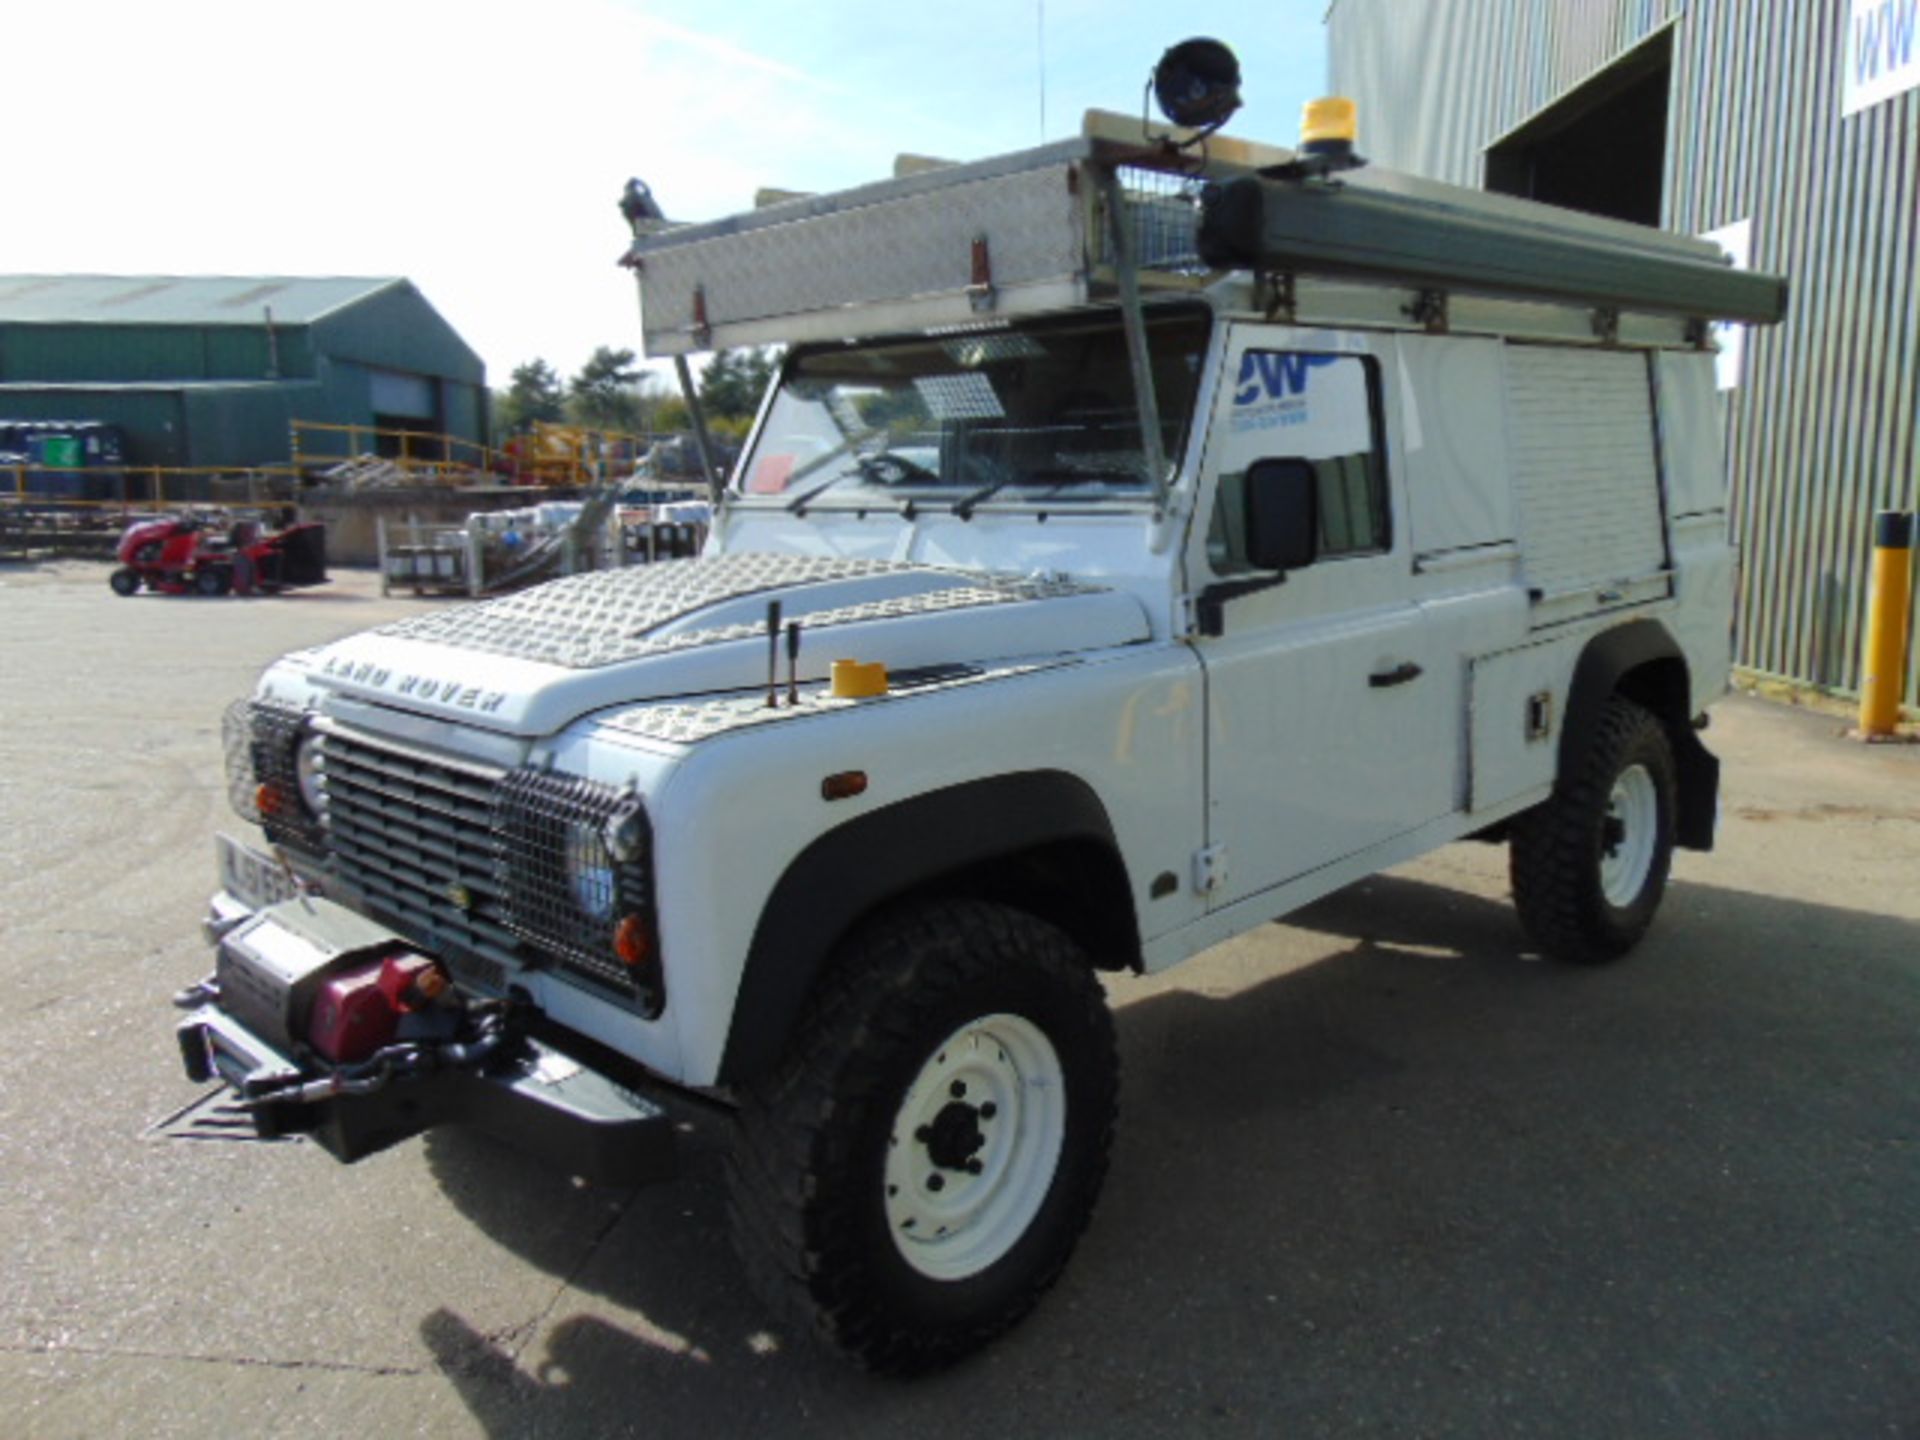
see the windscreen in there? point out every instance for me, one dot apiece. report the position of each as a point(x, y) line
point(1039, 411)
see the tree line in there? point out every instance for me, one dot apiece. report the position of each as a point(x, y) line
point(612, 392)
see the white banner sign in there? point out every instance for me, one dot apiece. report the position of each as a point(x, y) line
point(1737, 240)
point(1881, 53)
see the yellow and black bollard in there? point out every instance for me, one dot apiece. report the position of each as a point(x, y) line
point(1889, 601)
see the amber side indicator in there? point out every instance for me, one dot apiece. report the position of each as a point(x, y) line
point(268, 800)
point(844, 786)
point(630, 942)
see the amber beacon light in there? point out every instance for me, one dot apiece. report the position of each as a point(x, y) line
point(1329, 126)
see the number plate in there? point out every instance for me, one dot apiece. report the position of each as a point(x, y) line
point(254, 879)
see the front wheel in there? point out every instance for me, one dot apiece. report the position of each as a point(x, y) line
point(124, 581)
point(1589, 866)
point(913, 1176)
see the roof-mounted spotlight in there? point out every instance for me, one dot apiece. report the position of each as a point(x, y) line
point(1197, 85)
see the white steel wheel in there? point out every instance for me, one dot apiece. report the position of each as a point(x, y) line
point(1630, 836)
point(912, 1176)
point(974, 1147)
point(1590, 864)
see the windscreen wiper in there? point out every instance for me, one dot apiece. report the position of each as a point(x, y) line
point(964, 506)
point(798, 505)
point(1062, 480)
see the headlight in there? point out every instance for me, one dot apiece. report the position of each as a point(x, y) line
point(307, 774)
point(274, 775)
point(590, 873)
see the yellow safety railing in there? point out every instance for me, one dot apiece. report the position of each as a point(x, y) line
point(544, 454)
point(554, 455)
point(432, 457)
point(35, 517)
point(143, 489)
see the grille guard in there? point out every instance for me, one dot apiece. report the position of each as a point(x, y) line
point(565, 890)
point(491, 870)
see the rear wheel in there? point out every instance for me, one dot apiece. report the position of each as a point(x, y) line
point(124, 581)
point(216, 581)
point(1589, 866)
point(914, 1175)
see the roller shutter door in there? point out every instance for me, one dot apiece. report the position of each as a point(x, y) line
point(1586, 478)
point(403, 396)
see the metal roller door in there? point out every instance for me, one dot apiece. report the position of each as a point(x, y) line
point(1586, 479)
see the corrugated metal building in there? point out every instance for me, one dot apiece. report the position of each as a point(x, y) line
point(1790, 125)
point(211, 370)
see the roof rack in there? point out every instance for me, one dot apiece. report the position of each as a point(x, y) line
point(946, 245)
point(965, 244)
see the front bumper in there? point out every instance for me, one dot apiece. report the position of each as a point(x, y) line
point(519, 1089)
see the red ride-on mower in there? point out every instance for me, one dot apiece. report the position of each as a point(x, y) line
point(180, 555)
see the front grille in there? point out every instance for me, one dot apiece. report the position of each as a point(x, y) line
point(477, 864)
point(412, 833)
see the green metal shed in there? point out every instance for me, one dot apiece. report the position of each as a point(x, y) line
point(212, 370)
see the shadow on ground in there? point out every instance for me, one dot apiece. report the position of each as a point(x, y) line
point(1424, 1186)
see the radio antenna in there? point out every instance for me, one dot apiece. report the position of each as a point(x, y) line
point(1040, 44)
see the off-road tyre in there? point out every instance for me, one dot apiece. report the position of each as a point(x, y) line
point(124, 582)
point(820, 1140)
point(1567, 852)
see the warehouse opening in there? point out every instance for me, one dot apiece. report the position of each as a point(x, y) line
point(404, 407)
point(1602, 147)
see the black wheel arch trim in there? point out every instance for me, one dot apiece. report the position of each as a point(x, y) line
point(1642, 661)
point(912, 846)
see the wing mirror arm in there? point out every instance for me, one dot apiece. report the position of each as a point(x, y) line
point(1210, 609)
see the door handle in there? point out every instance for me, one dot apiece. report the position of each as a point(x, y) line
point(1399, 675)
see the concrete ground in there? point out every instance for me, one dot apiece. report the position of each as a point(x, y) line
point(1379, 1173)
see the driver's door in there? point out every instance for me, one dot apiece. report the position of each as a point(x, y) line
point(1321, 741)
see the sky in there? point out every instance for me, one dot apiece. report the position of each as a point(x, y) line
point(479, 148)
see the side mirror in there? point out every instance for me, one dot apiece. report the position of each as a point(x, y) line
point(1283, 515)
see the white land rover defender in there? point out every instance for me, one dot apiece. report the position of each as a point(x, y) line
point(1141, 541)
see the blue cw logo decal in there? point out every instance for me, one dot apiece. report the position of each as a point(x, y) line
point(1883, 37)
point(1274, 375)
